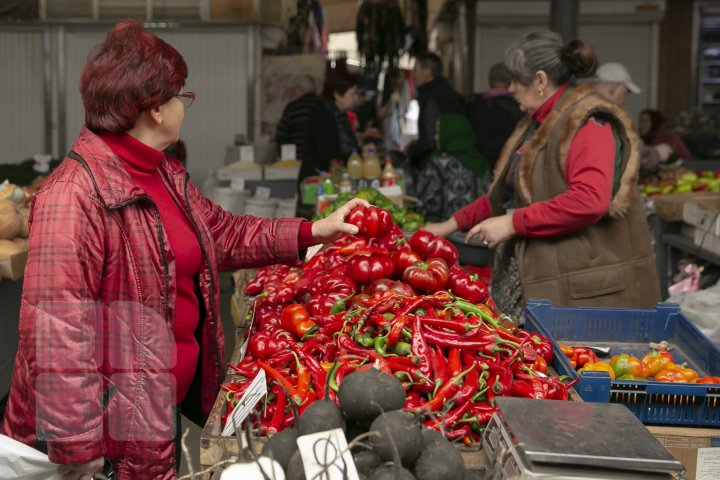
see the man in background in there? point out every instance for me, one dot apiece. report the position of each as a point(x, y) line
point(293, 123)
point(435, 97)
point(613, 81)
point(494, 114)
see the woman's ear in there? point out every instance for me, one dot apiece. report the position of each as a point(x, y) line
point(541, 80)
point(156, 115)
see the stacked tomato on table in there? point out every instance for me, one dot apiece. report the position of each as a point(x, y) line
point(375, 300)
point(657, 365)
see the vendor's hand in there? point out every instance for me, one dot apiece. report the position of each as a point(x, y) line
point(333, 227)
point(442, 229)
point(83, 471)
point(493, 231)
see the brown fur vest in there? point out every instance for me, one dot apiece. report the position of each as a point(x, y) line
point(609, 263)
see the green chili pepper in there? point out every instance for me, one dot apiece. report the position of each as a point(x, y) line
point(339, 305)
point(402, 349)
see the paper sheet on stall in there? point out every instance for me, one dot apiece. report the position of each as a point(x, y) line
point(18, 461)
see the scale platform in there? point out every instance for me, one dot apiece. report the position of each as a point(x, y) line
point(543, 439)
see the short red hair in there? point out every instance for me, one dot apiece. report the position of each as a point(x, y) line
point(132, 71)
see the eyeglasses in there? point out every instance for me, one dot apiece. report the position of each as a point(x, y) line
point(187, 98)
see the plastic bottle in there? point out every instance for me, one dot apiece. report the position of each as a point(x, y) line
point(337, 167)
point(389, 175)
point(371, 165)
point(328, 186)
point(355, 166)
point(346, 185)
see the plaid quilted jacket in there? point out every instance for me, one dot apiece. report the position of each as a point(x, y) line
point(91, 375)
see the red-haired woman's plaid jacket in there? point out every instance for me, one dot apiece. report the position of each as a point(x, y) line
point(91, 375)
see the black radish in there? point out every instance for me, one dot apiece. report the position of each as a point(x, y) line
point(281, 446)
point(439, 461)
point(295, 470)
point(320, 416)
point(432, 437)
point(392, 472)
point(365, 395)
point(366, 461)
point(401, 429)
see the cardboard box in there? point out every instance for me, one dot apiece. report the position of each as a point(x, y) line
point(696, 448)
point(13, 267)
point(670, 207)
point(704, 213)
point(232, 9)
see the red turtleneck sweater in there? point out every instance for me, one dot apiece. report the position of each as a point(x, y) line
point(589, 172)
point(141, 162)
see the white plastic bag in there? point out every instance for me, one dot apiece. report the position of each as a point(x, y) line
point(18, 461)
point(701, 308)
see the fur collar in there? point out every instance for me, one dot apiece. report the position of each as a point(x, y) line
point(575, 108)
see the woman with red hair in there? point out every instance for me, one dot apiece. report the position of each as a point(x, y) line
point(119, 322)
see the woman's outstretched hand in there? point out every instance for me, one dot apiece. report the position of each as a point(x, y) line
point(493, 231)
point(333, 227)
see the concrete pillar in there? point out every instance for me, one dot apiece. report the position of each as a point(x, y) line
point(564, 18)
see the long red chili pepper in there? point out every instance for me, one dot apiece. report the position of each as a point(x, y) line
point(344, 341)
point(439, 367)
point(279, 414)
point(450, 324)
point(396, 330)
point(420, 348)
point(471, 385)
point(454, 364)
point(446, 392)
point(282, 381)
point(457, 433)
point(452, 417)
point(317, 374)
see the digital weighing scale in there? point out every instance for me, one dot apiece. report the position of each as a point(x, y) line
point(544, 439)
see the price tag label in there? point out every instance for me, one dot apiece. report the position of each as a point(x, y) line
point(255, 392)
point(312, 251)
point(326, 456)
point(288, 152)
point(708, 463)
point(247, 153)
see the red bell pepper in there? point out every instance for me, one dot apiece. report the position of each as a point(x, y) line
point(372, 222)
point(366, 268)
point(708, 380)
point(295, 319)
point(393, 240)
point(584, 356)
point(402, 259)
point(328, 289)
point(427, 277)
point(386, 285)
point(468, 287)
point(263, 345)
point(429, 246)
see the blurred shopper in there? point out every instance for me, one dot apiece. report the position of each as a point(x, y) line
point(653, 133)
point(563, 212)
point(613, 81)
point(119, 326)
point(494, 114)
point(293, 123)
point(329, 134)
point(453, 175)
point(435, 97)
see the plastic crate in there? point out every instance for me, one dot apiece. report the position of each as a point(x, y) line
point(630, 331)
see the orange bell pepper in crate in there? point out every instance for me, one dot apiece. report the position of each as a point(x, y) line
point(676, 373)
point(569, 352)
point(709, 380)
point(657, 360)
point(599, 367)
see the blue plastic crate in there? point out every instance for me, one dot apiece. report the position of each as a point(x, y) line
point(630, 331)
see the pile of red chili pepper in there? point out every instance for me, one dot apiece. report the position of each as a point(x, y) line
point(404, 307)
